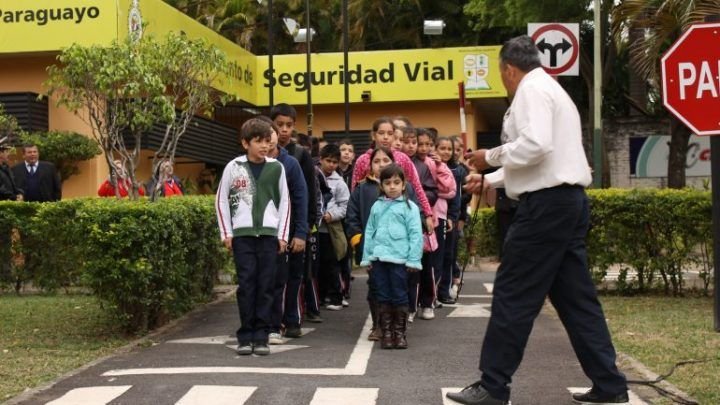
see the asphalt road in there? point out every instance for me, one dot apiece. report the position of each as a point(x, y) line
point(332, 363)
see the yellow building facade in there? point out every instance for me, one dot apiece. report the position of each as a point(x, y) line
point(421, 84)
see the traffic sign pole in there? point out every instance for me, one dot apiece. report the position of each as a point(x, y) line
point(715, 173)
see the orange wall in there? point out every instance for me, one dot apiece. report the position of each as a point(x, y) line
point(443, 115)
point(26, 74)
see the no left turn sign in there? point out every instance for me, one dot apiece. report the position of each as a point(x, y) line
point(559, 47)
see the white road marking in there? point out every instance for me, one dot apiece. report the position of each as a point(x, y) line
point(356, 365)
point(488, 287)
point(475, 296)
point(470, 311)
point(91, 395)
point(220, 394)
point(634, 399)
point(223, 340)
point(345, 396)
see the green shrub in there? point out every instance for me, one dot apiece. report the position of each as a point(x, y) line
point(147, 261)
point(64, 149)
point(15, 220)
point(655, 232)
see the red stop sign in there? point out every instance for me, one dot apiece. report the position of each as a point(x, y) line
point(691, 78)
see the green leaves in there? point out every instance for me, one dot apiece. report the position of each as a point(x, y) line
point(64, 149)
point(148, 262)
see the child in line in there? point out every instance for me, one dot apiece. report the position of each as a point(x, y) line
point(358, 212)
point(345, 169)
point(445, 148)
point(393, 243)
point(333, 246)
point(253, 209)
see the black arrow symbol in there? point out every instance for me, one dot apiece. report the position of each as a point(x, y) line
point(563, 46)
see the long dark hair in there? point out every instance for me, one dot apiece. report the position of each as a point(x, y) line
point(453, 158)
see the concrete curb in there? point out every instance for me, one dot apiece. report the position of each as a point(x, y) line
point(646, 374)
point(28, 394)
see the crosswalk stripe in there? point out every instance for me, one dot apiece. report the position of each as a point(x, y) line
point(489, 287)
point(634, 399)
point(345, 396)
point(91, 395)
point(220, 394)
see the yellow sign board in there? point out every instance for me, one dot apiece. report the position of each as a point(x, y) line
point(398, 75)
point(28, 26)
point(160, 18)
point(48, 25)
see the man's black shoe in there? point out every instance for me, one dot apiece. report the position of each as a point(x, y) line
point(448, 300)
point(293, 332)
point(594, 398)
point(474, 394)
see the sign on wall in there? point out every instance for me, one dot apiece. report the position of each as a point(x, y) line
point(559, 47)
point(649, 156)
point(398, 75)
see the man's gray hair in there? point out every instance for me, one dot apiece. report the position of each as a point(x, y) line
point(521, 52)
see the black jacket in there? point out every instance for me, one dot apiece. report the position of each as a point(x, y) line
point(8, 188)
point(49, 184)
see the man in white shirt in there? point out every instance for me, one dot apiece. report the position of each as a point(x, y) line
point(544, 166)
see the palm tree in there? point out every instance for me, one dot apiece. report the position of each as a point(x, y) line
point(662, 22)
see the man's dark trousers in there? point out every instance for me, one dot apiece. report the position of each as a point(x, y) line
point(281, 279)
point(255, 264)
point(545, 254)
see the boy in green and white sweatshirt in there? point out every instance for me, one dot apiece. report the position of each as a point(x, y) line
point(253, 211)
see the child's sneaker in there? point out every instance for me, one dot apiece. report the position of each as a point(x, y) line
point(261, 349)
point(244, 349)
point(345, 303)
point(275, 339)
point(314, 318)
point(333, 307)
point(427, 314)
point(411, 317)
point(454, 291)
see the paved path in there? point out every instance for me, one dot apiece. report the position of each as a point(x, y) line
point(333, 363)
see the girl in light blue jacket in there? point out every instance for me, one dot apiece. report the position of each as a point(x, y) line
point(392, 247)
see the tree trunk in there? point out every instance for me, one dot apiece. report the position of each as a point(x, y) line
point(677, 157)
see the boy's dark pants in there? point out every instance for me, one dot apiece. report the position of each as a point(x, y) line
point(255, 264)
point(329, 277)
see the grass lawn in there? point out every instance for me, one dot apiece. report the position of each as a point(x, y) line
point(42, 337)
point(661, 331)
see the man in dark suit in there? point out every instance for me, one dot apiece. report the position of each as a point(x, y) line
point(38, 179)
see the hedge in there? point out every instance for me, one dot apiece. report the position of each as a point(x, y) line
point(658, 233)
point(147, 261)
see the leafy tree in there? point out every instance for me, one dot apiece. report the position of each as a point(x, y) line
point(64, 149)
point(659, 23)
point(127, 87)
point(8, 124)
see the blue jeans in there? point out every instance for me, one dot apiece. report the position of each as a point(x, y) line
point(391, 283)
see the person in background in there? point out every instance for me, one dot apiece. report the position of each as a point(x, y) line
point(543, 164)
point(38, 179)
point(168, 184)
point(9, 190)
point(123, 183)
point(253, 210)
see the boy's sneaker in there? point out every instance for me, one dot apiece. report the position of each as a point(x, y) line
point(427, 314)
point(261, 349)
point(275, 339)
point(411, 317)
point(454, 291)
point(244, 349)
point(345, 303)
point(594, 398)
point(293, 331)
point(314, 318)
point(334, 307)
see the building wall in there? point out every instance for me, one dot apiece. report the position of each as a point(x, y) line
point(617, 134)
